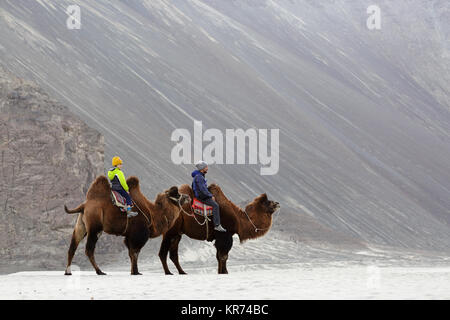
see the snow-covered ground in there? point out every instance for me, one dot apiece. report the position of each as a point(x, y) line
point(269, 268)
point(291, 281)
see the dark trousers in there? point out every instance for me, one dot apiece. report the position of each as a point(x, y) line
point(125, 194)
point(215, 210)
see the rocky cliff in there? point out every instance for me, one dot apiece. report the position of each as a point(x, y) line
point(48, 157)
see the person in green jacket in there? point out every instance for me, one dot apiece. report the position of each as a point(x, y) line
point(119, 183)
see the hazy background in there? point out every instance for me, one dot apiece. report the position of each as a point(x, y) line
point(364, 115)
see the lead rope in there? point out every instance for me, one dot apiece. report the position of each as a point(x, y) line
point(205, 215)
point(145, 216)
point(193, 215)
point(256, 228)
point(126, 227)
point(142, 212)
point(205, 222)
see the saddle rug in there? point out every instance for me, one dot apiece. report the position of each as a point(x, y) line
point(201, 209)
point(119, 201)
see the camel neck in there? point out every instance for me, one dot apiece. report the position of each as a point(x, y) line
point(246, 228)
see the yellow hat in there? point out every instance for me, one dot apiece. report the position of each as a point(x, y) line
point(116, 161)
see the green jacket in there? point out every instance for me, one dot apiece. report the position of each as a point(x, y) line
point(117, 179)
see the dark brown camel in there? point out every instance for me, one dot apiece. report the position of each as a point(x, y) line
point(98, 214)
point(257, 215)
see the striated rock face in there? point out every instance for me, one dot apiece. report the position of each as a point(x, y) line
point(48, 157)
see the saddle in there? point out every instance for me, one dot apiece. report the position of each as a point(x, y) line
point(201, 209)
point(119, 201)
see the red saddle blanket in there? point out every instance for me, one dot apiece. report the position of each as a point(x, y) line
point(119, 200)
point(200, 208)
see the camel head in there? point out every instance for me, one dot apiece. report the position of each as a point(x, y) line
point(257, 218)
point(261, 205)
point(171, 198)
point(175, 197)
point(167, 209)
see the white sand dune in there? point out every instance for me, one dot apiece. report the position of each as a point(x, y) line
point(289, 282)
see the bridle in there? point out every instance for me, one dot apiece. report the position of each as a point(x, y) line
point(254, 226)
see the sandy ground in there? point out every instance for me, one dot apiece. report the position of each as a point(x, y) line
point(283, 282)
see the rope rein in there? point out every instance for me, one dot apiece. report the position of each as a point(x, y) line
point(142, 212)
point(205, 221)
point(277, 212)
point(193, 215)
point(145, 216)
point(126, 227)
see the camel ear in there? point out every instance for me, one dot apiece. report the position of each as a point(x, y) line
point(263, 198)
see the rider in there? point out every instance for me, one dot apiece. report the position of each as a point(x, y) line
point(202, 193)
point(119, 183)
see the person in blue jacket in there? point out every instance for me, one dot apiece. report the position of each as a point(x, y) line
point(201, 192)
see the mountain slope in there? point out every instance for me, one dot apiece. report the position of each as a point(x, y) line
point(363, 115)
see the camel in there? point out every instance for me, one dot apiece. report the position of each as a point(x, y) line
point(98, 214)
point(251, 223)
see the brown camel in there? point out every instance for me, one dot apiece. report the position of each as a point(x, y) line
point(98, 214)
point(251, 223)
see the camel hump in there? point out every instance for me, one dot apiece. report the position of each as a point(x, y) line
point(100, 181)
point(133, 182)
point(99, 188)
point(186, 189)
point(215, 189)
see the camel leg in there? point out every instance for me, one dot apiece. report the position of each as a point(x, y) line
point(223, 244)
point(90, 248)
point(134, 254)
point(79, 233)
point(174, 253)
point(219, 262)
point(222, 261)
point(163, 251)
point(135, 243)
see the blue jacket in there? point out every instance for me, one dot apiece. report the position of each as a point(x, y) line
point(199, 186)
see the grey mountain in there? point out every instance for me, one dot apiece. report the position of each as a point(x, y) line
point(363, 114)
point(48, 156)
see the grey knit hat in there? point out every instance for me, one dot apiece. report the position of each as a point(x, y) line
point(201, 165)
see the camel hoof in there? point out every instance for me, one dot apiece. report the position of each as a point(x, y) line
point(169, 274)
point(136, 274)
point(67, 273)
point(182, 272)
point(101, 273)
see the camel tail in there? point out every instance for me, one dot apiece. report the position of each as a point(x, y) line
point(79, 209)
